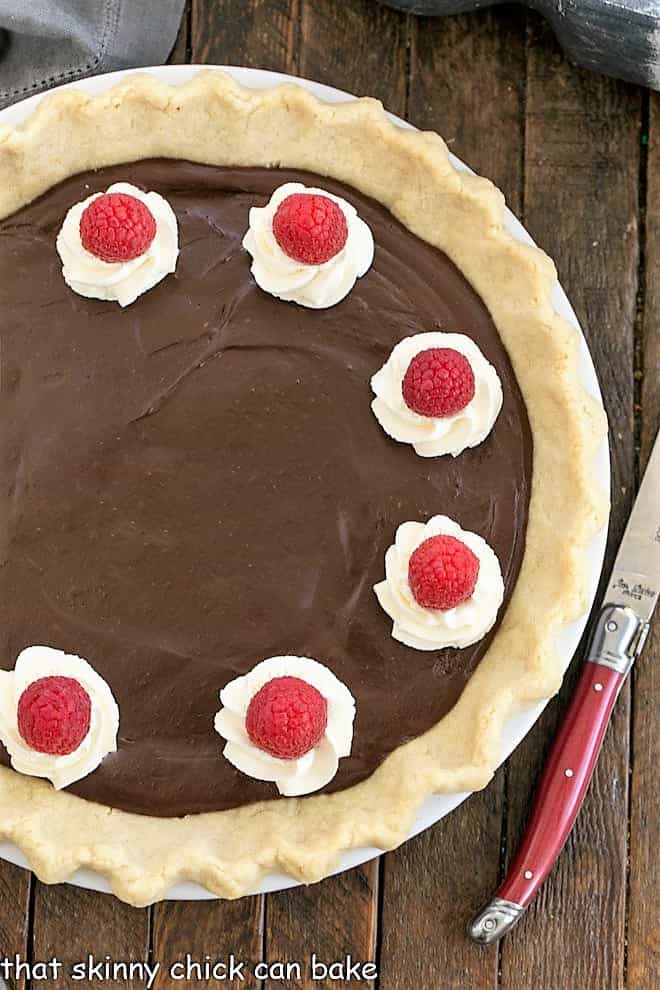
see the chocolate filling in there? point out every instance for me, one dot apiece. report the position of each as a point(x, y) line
point(197, 482)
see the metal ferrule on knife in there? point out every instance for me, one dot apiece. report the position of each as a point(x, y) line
point(618, 638)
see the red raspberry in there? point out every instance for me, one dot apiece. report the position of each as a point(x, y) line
point(310, 228)
point(438, 382)
point(54, 714)
point(442, 572)
point(287, 717)
point(117, 227)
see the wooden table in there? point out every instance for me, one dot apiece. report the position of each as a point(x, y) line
point(578, 157)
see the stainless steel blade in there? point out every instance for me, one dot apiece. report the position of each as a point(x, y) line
point(635, 579)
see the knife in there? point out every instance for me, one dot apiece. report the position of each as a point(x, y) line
point(617, 640)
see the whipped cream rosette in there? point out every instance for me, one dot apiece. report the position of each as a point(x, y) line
point(420, 377)
point(308, 246)
point(118, 244)
point(290, 721)
point(443, 585)
point(58, 717)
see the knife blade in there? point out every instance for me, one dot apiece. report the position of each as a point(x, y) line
point(617, 640)
point(635, 579)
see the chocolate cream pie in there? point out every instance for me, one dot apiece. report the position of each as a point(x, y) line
point(298, 482)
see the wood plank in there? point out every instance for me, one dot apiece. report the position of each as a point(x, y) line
point(431, 886)
point(258, 33)
point(581, 195)
point(440, 878)
point(15, 886)
point(450, 58)
point(261, 34)
point(53, 935)
point(339, 916)
point(358, 46)
point(71, 924)
point(208, 929)
point(644, 884)
point(333, 919)
point(180, 54)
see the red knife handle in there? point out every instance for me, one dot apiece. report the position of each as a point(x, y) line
point(617, 640)
point(564, 782)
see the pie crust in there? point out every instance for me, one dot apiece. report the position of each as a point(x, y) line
point(213, 120)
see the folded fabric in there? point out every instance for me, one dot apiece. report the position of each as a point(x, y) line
point(620, 38)
point(48, 42)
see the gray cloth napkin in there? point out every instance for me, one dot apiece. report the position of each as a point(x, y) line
point(44, 43)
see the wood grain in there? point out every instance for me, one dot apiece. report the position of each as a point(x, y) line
point(358, 46)
point(644, 882)
point(581, 182)
point(15, 887)
point(468, 83)
point(650, 389)
point(339, 916)
point(258, 33)
point(71, 924)
point(181, 52)
point(333, 919)
point(261, 34)
point(206, 929)
point(431, 886)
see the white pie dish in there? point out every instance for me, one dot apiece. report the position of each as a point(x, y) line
point(436, 807)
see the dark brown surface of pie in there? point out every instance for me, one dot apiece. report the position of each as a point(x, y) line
point(197, 482)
